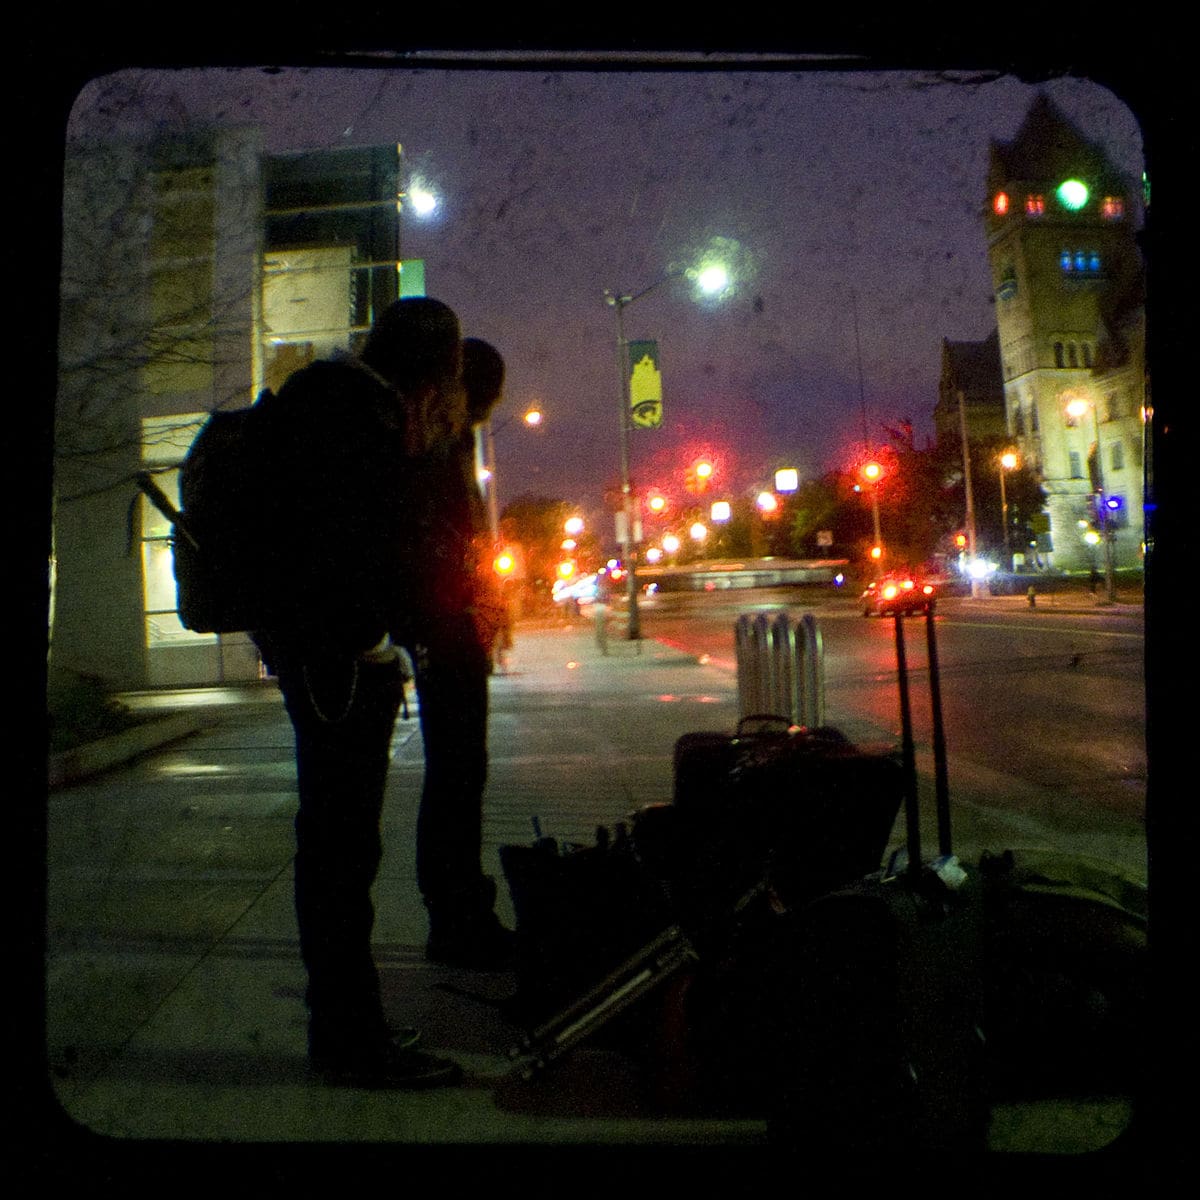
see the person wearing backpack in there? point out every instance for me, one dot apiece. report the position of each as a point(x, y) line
point(452, 655)
point(357, 445)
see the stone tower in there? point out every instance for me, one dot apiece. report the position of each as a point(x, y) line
point(1067, 279)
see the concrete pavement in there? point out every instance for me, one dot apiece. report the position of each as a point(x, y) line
point(173, 982)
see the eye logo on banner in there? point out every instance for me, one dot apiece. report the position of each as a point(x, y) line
point(645, 386)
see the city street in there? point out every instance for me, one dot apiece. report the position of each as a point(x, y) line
point(1044, 708)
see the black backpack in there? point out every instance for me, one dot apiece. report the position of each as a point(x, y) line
point(222, 561)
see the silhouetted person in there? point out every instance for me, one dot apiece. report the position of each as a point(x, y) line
point(346, 543)
point(453, 657)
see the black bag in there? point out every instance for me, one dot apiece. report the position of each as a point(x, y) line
point(580, 911)
point(804, 808)
point(222, 544)
point(884, 1042)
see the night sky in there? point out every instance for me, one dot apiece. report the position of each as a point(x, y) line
point(556, 185)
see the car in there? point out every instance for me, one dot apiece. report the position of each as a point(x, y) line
point(897, 593)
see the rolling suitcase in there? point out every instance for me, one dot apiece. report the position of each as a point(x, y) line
point(803, 806)
point(885, 1048)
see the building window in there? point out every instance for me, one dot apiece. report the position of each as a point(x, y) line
point(1000, 204)
point(1035, 206)
point(1033, 418)
point(1018, 420)
point(1076, 464)
point(1087, 354)
point(1059, 361)
point(1079, 262)
point(1072, 361)
point(165, 440)
point(1117, 457)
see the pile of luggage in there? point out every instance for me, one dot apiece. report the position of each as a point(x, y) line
point(749, 947)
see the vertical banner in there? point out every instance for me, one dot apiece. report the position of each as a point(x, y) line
point(645, 386)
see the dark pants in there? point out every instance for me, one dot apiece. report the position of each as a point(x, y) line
point(343, 714)
point(452, 691)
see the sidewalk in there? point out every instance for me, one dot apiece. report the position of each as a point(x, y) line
point(174, 985)
point(174, 1011)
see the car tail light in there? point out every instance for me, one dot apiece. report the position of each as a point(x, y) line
point(889, 592)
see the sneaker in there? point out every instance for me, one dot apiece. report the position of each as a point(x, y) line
point(385, 1067)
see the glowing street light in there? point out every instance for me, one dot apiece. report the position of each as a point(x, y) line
point(1076, 407)
point(787, 479)
point(1008, 462)
point(872, 472)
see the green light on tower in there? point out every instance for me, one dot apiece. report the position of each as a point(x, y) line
point(1072, 194)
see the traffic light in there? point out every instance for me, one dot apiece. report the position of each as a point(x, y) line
point(505, 563)
point(960, 541)
point(871, 471)
point(699, 475)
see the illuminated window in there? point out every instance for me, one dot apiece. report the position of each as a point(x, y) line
point(1000, 204)
point(1079, 262)
point(1112, 208)
point(1035, 206)
point(165, 440)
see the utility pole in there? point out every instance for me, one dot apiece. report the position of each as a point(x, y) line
point(966, 457)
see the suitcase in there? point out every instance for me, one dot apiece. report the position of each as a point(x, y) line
point(804, 807)
point(885, 1047)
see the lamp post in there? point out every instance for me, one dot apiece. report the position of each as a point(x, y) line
point(966, 459)
point(1075, 409)
point(710, 278)
point(1008, 462)
point(485, 460)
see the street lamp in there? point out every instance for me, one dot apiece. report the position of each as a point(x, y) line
point(1008, 462)
point(711, 278)
point(872, 472)
point(485, 459)
point(1075, 409)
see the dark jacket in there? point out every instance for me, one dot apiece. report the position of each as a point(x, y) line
point(342, 535)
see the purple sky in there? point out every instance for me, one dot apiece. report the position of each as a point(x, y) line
point(557, 185)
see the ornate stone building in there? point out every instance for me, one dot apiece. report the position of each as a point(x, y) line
point(1067, 276)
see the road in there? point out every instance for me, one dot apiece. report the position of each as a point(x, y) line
point(1044, 709)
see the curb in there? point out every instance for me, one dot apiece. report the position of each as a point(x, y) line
point(93, 758)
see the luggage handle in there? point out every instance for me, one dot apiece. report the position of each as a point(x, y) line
point(781, 724)
point(908, 751)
